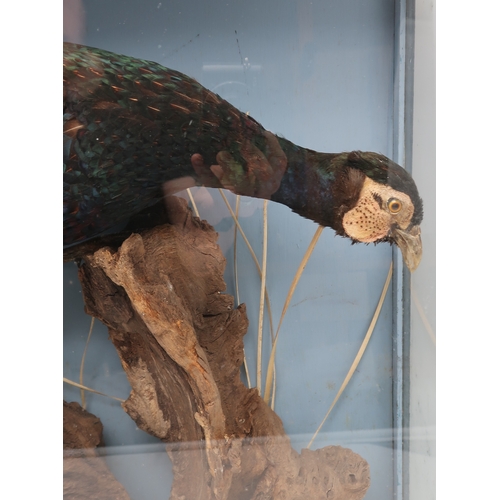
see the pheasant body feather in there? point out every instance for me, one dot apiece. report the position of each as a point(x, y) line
point(132, 125)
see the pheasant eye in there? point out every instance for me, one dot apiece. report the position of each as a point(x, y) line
point(394, 205)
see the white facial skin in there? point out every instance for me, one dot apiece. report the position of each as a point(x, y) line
point(371, 220)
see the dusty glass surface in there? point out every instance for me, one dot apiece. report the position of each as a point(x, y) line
point(325, 76)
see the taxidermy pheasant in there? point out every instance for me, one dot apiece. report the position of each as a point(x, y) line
point(132, 127)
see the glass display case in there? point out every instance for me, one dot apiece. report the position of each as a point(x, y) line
point(341, 338)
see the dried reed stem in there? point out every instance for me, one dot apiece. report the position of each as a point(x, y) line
point(195, 208)
point(296, 278)
point(82, 364)
point(361, 351)
point(80, 386)
point(262, 297)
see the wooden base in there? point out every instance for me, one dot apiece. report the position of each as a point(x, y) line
point(86, 474)
point(180, 341)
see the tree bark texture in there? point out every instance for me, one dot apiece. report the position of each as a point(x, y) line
point(180, 341)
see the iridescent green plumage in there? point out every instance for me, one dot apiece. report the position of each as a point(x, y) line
point(132, 125)
point(129, 126)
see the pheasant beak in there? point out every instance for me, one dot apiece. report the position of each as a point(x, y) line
point(410, 244)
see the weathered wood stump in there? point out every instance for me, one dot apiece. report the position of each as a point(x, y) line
point(180, 341)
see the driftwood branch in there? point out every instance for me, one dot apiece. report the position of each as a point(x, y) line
point(180, 341)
